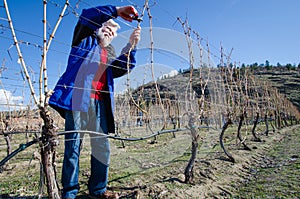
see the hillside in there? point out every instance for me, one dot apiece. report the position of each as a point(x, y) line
point(286, 81)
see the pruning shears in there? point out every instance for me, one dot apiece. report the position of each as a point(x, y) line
point(137, 18)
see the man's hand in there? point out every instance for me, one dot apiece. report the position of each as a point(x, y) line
point(135, 36)
point(128, 13)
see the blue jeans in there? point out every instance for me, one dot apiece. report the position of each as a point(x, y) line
point(94, 120)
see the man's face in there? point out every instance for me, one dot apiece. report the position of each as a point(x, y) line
point(106, 34)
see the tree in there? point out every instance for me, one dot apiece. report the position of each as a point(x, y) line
point(254, 66)
point(278, 64)
point(267, 63)
point(268, 67)
point(289, 66)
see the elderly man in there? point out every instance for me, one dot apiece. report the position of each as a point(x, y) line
point(84, 93)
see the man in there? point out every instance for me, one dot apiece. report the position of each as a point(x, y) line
point(84, 93)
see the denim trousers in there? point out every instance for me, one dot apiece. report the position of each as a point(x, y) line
point(93, 120)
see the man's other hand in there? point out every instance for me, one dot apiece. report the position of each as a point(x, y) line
point(135, 36)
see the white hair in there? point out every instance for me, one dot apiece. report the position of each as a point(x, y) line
point(111, 23)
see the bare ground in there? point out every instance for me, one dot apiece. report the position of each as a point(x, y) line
point(214, 177)
point(154, 169)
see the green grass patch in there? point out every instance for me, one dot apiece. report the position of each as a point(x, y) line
point(278, 176)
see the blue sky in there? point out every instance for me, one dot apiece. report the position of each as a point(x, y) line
point(256, 30)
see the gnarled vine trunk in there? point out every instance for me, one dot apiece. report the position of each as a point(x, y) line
point(242, 117)
point(225, 126)
point(48, 144)
point(256, 139)
point(188, 172)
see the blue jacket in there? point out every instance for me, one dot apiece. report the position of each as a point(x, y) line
point(72, 91)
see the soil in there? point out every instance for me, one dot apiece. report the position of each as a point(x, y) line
point(154, 168)
point(214, 176)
